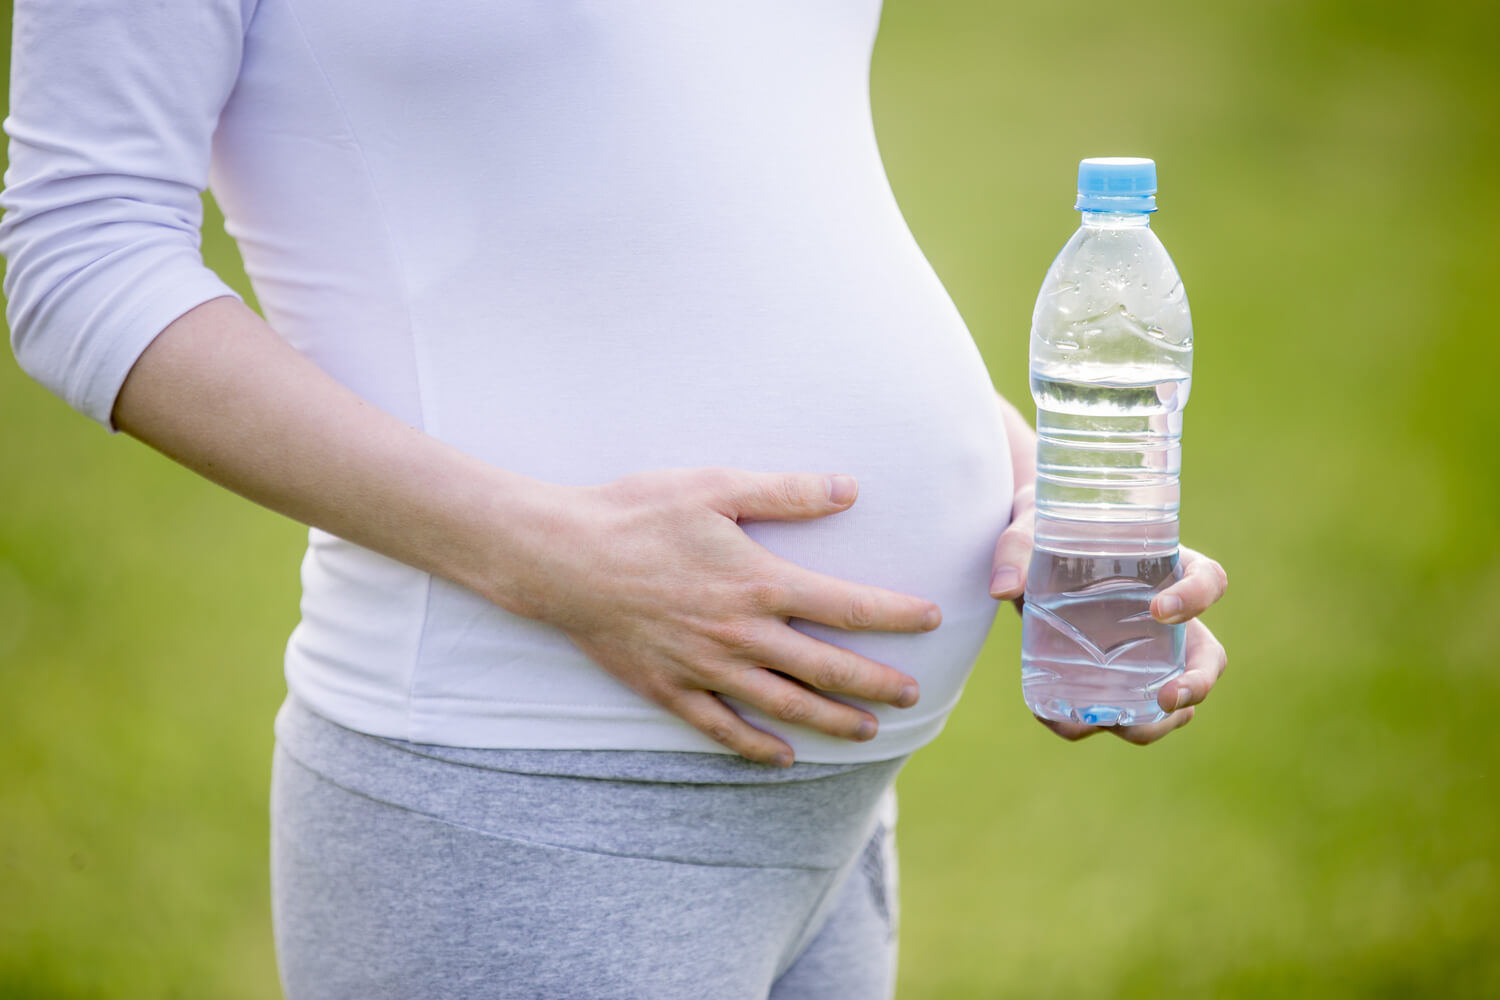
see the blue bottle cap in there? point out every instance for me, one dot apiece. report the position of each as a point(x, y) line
point(1116, 184)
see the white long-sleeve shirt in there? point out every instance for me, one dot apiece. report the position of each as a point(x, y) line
point(575, 240)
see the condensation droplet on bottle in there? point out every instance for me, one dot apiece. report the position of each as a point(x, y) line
point(1156, 332)
point(1066, 345)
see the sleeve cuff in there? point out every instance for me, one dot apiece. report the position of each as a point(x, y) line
point(134, 319)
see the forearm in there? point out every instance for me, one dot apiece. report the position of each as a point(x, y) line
point(221, 393)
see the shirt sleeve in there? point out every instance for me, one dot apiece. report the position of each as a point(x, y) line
point(112, 114)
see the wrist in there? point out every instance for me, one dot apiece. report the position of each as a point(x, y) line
point(510, 534)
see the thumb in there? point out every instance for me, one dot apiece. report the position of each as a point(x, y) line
point(756, 496)
point(1013, 555)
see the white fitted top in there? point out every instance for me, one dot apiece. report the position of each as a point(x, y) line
point(574, 239)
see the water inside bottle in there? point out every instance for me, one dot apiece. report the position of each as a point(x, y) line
point(1108, 461)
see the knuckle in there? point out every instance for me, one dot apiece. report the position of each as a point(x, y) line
point(1010, 546)
point(833, 674)
point(710, 672)
point(717, 477)
point(1017, 541)
point(735, 634)
point(793, 707)
point(718, 483)
point(666, 696)
point(861, 612)
point(789, 492)
point(719, 731)
point(631, 488)
point(768, 594)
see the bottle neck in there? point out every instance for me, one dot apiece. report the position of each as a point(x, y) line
point(1116, 220)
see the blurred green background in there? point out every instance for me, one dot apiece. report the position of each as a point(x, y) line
point(1329, 825)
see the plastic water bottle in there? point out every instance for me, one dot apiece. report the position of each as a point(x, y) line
point(1111, 365)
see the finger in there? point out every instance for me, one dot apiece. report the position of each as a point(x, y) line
point(789, 701)
point(706, 713)
point(1013, 556)
point(761, 496)
point(1203, 582)
point(832, 668)
point(1070, 731)
point(1150, 733)
point(852, 606)
point(1205, 662)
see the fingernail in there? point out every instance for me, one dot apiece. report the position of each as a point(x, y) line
point(841, 489)
point(866, 730)
point(1005, 581)
point(908, 697)
point(782, 760)
point(1169, 607)
point(932, 619)
point(1183, 694)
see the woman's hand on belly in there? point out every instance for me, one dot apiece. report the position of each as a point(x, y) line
point(653, 578)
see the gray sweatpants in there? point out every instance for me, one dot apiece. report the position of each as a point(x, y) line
point(413, 871)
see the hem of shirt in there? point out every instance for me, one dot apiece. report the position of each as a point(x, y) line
point(501, 726)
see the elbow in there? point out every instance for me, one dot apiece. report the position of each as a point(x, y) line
point(90, 285)
point(26, 290)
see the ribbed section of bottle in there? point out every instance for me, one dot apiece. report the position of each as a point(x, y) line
point(1101, 464)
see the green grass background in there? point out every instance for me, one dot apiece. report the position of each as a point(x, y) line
point(1329, 826)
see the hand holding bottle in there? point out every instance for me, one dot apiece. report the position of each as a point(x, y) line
point(1203, 583)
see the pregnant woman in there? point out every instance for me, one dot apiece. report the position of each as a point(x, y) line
point(585, 326)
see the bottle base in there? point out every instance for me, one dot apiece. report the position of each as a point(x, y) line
point(1090, 650)
point(1137, 713)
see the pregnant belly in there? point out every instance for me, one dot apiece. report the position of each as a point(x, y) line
point(385, 649)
